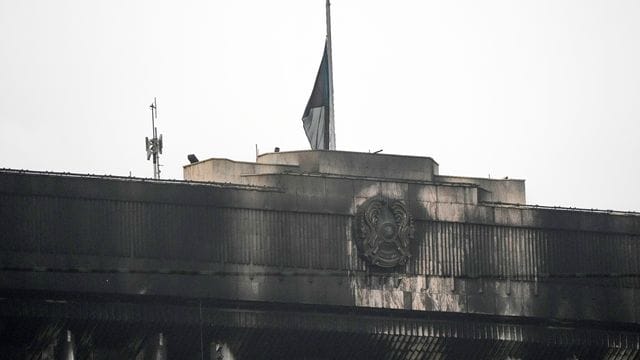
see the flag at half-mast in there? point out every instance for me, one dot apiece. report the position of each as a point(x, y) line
point(318, 115)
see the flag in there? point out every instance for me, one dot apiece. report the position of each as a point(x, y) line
point(317, 117)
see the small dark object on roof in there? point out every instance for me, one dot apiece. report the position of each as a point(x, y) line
point(192, 158)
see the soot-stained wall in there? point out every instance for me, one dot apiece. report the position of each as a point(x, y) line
point(133, 236)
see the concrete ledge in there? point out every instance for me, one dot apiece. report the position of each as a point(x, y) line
point(552, 299)
point(229, 171)
point(408, 168)
point(510, 191)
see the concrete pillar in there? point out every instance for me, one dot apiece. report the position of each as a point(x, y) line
point(221, 351)
point(42, 346)
point(155, 348)
point(68, 347)
point(161, 348)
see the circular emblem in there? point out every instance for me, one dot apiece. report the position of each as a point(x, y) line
point(384, 231)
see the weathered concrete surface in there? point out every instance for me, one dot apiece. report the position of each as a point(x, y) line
point(508, 191)
point(121, 329)
point(283, 231)
point(126, 236)
point(229, 171)
point(357, 164)
point(384, 168)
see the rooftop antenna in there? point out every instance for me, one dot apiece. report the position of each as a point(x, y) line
point(154, 146)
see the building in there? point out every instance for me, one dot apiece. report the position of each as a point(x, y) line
point(311, 255)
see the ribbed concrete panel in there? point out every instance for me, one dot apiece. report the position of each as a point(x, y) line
point(471, 250)
point(147, 230)
point(58, 225)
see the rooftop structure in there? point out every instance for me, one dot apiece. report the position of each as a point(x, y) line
point(280, 169)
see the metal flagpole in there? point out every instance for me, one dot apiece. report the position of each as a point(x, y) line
point(329, 125)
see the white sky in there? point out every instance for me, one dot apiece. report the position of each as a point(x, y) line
point(544, 90)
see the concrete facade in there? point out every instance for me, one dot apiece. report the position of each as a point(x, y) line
point(241, 250)
point(478, 249)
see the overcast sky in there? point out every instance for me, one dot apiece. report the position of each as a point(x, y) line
point(546, 91)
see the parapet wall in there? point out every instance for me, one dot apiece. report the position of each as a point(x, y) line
point(233, 172)
point(406, 168)
point(507, 191)
point(383, 168)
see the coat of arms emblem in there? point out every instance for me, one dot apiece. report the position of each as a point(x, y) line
point(385, 228)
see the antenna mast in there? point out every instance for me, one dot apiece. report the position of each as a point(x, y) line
point(154, 146)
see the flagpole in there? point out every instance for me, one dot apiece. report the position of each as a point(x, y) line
point(330, 137)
